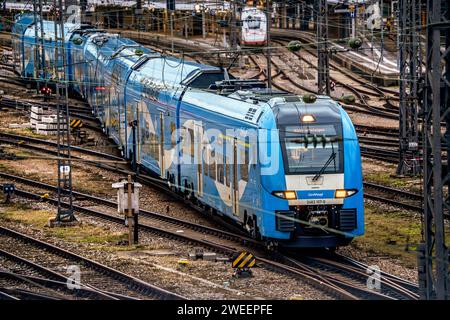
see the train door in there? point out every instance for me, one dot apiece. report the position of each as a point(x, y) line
point(121, 109)
point(130, 136)
point(234, 179)
point(139, 111)
point(199, 150)
point(162, 165)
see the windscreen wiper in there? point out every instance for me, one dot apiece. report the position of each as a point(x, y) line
point(325, 166)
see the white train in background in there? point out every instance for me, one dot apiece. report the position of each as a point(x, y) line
point(254, 26)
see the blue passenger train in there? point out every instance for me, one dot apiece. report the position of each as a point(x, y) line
point(287, 171)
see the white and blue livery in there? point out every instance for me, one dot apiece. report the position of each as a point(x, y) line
point(286, 171)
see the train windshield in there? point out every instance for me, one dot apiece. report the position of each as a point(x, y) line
point(253, 23)
point(312, 148)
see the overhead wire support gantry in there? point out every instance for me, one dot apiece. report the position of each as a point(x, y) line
point(410, 60)
point(65, 212)
point(323, 64)
point(433, 256)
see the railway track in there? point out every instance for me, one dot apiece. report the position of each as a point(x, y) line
point(354, 278)
point(389, 156)
point(308, 39)
point(89, 121)
point(13, 138)
point(394, 197)
point(364, 88)
point(101, 279)
point(342, 289)
point(17, 273)
point(79, 111)
point(373, 90)
point(144, 214)
point(364, 107)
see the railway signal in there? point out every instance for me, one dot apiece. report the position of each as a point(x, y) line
point(8, 190)
point(47, 92)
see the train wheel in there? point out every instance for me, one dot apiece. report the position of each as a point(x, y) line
point(271, 245)
point(170, 183)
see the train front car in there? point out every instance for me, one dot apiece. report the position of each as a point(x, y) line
point(253, 27)
point(312, 186)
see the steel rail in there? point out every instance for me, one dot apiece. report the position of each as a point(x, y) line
point(139, 285)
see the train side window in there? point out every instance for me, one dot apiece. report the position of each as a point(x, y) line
point(207, 157)
point(226, 160)
point(244, 163)
point(154, 146)
point(220, 170)
point(186, 141)
point(192, 142)
point(173, 138)
point(212, 165)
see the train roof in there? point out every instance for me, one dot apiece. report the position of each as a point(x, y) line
point(156, 70)
point(105, 46)
point(324, 109)
point(221, 104)
point(49, 29)
point(160, 70)
point(286, 106)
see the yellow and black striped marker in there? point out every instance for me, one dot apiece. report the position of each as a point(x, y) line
point(76, 123)
point(243, 260)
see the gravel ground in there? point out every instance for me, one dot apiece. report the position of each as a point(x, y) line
point(386, 264)
point(199, 280)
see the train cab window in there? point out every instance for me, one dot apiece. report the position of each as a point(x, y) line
point(253, 23)
point(307, 149)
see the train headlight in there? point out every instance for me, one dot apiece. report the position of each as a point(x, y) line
point(308, 118)
point(343, 193)
point(288, 195)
